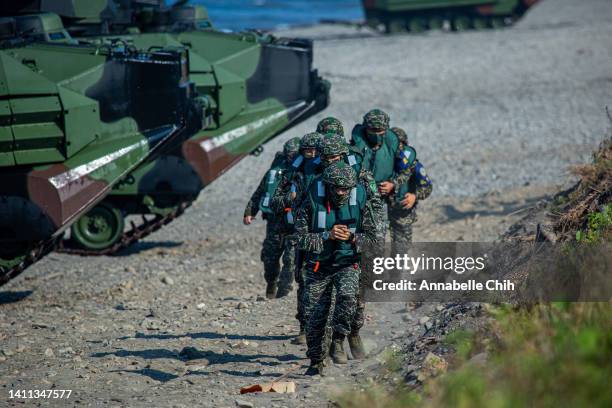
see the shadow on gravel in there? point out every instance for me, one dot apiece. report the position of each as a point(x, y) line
point(156, 375)
point(146, 246)
point(207, 335)
point(211, 357)
point(13, 297)
point(150, 354)
point(453, 214)
point(249, 374)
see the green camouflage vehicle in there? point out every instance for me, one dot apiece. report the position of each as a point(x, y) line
point(74, 121)
point(395, 16)
point(258, 85)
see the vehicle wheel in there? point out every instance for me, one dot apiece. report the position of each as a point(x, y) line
point(417, 25)
point(100, 228)
point(396, 26)
point(498, 22)
point(436, 23)
point(461, 23)
point(480, 23)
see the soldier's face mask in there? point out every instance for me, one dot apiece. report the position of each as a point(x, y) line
point(375, 135)
point(339, 195)
point(290, 157)
point(327, 160)
point(309, 153)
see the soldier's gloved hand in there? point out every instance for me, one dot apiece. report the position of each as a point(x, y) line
point(408, 201)
point(386, 187)
point(247, 220)
point(293, 195)
point(340, 233)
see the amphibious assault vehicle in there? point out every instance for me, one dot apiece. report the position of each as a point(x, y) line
point(75, 119)
point(258, 86)
point(395, 16)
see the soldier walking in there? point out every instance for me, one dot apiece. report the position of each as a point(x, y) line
point(272, 248)
point(332, 229)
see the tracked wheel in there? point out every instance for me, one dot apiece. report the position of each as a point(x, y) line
point(417, 25)
point(498, 22)
point(480, 23)
point(100, 228)
point(436, 23)
point(462, 23)
point(395, 26)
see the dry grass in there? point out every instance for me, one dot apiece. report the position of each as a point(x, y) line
point(592, 193)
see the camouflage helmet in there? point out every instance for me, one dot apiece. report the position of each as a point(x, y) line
point(330, 125)
point(340, 174)
point(311, 141)
point(333, 144)
point(376, 119)
point(291, 147)
point(401, 134)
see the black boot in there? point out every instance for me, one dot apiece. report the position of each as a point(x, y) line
point(356, 346)
point(271, 290)
point(316, 368)
point(336, 351)
point(282, 292)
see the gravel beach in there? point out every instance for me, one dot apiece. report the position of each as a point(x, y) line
point(497, 117)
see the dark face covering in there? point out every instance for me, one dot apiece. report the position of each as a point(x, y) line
point(374, 138)
point(338, 200)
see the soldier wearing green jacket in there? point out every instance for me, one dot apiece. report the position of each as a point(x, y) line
point(333, 226)
point(261, 200)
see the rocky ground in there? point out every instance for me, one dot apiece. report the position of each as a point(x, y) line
point(497, 118)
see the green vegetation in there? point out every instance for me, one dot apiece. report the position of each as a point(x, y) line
point(598, 226)
point(551, 355)
point(558, 355)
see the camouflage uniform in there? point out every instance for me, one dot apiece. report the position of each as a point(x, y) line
point(378, 154)
point(273, 244)
point(413, 179)
point(295, 180)
point(333, 145)
point(332, 264)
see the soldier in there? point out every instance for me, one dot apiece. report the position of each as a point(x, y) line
point(272, 248)
point(330, 125)
point(379, 147)
point(334, 148)
point(288, 196)
point(413, 185)
point(332, 227)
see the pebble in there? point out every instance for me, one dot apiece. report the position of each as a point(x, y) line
point(49, 353)
point(167, 280)
point(244, 404)
point(423, 319)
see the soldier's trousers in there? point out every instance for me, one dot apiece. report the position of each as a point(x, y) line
point(272, 250)
point(400, 225)
point(287, 274)
point(318, 292)
point(301, 300)
point(359, 317)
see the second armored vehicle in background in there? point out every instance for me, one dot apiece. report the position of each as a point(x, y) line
point(395, 16)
